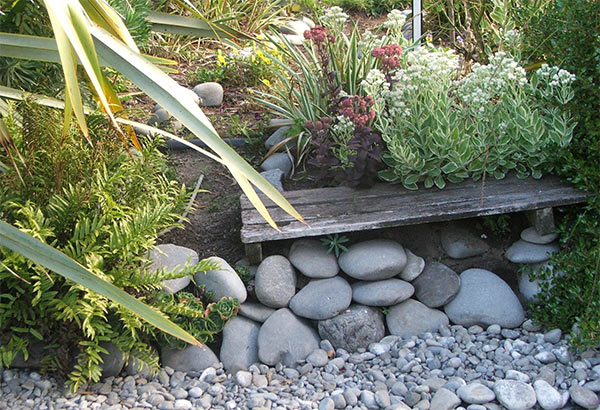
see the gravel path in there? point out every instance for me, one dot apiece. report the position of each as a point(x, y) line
point(472, 368)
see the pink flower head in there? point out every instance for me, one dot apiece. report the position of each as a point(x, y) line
point(357, 109)
point(388, 55)
point(319, 35)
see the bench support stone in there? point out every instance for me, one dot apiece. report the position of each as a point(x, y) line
point(542, 220)
point(254, 253)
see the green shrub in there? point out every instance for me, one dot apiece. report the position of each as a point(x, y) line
point(371, 7)
point(134, 13)
point(103, 207)
point(28, 17)
point(494, 120)
point(243, 66)
point(567, 34)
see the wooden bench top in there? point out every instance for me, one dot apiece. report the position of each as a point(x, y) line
point(341, 209)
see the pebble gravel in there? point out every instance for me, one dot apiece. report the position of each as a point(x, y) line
point(454, 368)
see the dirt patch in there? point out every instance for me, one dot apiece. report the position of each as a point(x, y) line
point(214, 227)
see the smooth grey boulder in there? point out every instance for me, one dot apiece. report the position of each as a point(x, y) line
point(584, 397)
point(514, 395)
point(297, 27)
point(189, 359)
point(310, 257)
point(386, 292)
point(210, 93)
point(475, 393)
point(191, 94)
point(239, 349)
point(223, 282)
point(135, 367)
point(532, 236)
point(413, 318)
point(275, 281)
point(285, 338)
point(437, 285)
point(484, 299)
point(414, 266)
point(255, 311)
point(274, 177)
point(355, 328)
point(322, 298)
point(279, 160)
point(37, 350)
point(547, 396)
point(172, 258)
point(373, 260)
point(444, 399)
point(294, 39)
point(113, 361)
point(278, 137)
point(459, 242)
point(275, 122)
point(531, 288)
point(525, 252)
point(158, 116)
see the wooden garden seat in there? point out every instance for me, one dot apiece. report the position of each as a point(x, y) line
point(341, 209)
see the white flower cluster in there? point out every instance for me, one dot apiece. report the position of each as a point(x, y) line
point(554, 76)
point(342, 129)
point(376, 86)
point(395, 19)
point(394, 23)
point(342, 132)
point(512, 40)
point(434, 63)
point(334, 18)
point(428, 68)
point(368, 42)
point(487, 82)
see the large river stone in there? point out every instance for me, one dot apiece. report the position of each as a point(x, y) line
point(286, 338)
point(310, 257)
point(322, 299)
point(437, 285)
point(411, 318)
point(484, 299)
point(275, 281)
point(373, 260)
point(355, 328)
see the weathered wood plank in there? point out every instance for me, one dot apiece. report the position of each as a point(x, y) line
point(337, 210)
point(381, 190)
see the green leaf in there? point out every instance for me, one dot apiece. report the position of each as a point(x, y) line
point(388, 175)
point(439, 182)
point(411, 179)
point(189, 26)
point(428, 182)
point(412, 187)
point(58, 262)
point(36, 334)
point(449, 168)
